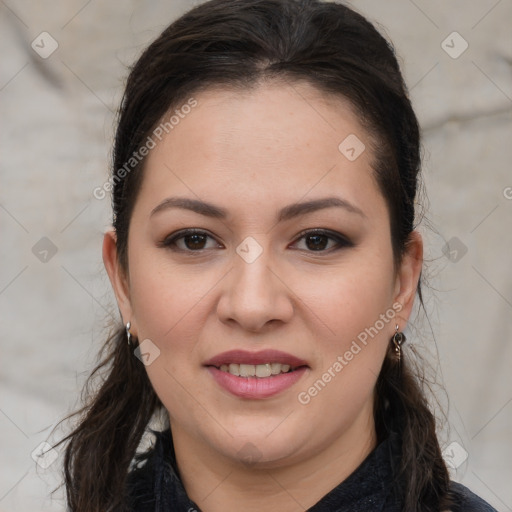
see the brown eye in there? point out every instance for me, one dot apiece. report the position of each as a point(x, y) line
point(189, 241)
point(322, 241)
point(317, 242)
point(195, 241)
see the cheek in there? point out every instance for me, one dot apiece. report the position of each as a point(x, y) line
point(340, 387)
point(348, 299)
point(171, 305)
point(170, 308)
point(166, 297)
point(354, 320)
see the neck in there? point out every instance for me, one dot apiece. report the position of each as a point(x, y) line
point(217, 483)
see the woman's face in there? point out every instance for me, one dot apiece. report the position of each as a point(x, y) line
point(289, 267)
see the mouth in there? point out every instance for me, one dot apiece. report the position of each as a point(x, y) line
point(256, 374)
point(262, 364)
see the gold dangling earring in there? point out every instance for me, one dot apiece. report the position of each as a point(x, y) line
point(398, 339)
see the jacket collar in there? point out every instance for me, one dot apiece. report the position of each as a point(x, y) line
point(157, 487)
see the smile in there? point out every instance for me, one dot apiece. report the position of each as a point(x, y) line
point(256, 370)
point(256, 375)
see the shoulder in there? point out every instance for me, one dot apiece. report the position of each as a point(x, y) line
point(466, 501)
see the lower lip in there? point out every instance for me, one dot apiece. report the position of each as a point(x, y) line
point(256, 387)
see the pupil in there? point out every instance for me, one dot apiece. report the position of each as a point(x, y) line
point(317, 238)
point(197, 241)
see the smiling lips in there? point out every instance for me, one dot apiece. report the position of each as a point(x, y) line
point(256, 374)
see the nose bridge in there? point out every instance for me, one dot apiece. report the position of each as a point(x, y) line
point(255, 295)
point(252, 274)
point(253, 277)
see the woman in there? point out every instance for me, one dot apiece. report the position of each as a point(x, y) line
point(265, 263)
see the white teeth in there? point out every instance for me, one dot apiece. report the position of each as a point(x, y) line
point(263, 370)
point(234, 369)
point(247, 370)
point(276, 368)
point(255, 370)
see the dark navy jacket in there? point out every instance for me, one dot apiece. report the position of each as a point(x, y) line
point(156, 486)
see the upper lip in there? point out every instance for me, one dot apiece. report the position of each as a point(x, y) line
point(260, 357)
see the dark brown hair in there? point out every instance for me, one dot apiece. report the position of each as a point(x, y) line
point(239, 44)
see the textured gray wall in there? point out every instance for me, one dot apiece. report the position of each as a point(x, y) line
point(57, 118)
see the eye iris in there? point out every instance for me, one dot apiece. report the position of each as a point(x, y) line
point(320, 241)
point(198, 241)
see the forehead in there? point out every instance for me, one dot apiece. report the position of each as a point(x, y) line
point(276, 119)
point(275, 142)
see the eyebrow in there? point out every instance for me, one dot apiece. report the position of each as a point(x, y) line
point(286, 213)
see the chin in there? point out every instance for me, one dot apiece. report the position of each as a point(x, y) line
point(261, 448)
point(261, 456)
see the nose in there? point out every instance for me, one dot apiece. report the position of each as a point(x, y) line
point(254, 295)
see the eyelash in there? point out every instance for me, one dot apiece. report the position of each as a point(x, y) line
point(170, 241)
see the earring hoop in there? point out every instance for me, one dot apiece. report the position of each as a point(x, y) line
point(398, 339)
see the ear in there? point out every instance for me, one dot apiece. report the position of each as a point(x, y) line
point(118, 279)
point(408, 275)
